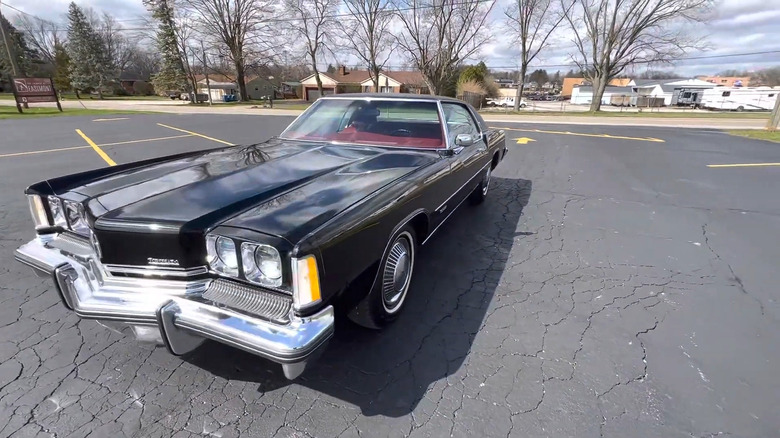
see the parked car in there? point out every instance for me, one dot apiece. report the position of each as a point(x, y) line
point(201, 97)
point(257, 246)
point(505, 102)
point(174, 94)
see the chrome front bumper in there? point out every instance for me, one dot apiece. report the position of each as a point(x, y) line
point(175, 307)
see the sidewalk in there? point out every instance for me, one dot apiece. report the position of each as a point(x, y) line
point(179, 107)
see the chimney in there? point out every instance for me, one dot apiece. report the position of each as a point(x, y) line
point(342, 70)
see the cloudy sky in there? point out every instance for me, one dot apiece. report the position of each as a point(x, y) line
point(737, 26)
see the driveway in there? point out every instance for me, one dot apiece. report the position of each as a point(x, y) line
point(614, 283)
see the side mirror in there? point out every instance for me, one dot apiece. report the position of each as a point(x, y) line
point(464, 140)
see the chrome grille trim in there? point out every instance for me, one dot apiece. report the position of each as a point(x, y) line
point(157, 271)
point(254, 301)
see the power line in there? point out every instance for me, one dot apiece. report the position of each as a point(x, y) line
point(283, 20)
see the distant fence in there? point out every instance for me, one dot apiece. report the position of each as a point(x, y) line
point(473, 99)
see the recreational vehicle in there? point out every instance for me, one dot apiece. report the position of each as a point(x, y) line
point(740, 98)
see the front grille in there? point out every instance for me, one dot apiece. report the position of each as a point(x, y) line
point(264, 304)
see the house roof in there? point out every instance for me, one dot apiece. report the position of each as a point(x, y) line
point(350, 76)
point(406, 77)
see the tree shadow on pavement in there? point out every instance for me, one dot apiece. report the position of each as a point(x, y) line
point(388, 372)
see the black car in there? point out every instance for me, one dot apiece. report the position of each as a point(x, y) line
point(257, 246)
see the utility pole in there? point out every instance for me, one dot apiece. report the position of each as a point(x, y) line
point(11, 58)
point(774, 121)
point(206, 71)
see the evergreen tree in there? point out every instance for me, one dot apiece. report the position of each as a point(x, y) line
point(331, 69)
point(171, 75)
point(61, 68)
point(89, 66)
point(23, 56)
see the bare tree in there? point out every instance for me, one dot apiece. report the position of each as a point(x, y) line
point(531, 23)
point(368, 34)
point(313, 23)
point(440, 34)
point(41, 34)
point(611, 35)
point(119, 47)
point(233, 23)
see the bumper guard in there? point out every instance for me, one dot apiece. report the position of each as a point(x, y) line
point(176, 307)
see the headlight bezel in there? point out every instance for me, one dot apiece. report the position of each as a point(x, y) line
point(216, 261)
point(252, 266)
point(57, 210)
point(79, 225)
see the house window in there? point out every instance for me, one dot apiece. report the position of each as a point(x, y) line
point(726, 94)
point(386, 89)
point(687, 94)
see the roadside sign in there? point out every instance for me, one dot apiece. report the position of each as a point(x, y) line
point(34, 90)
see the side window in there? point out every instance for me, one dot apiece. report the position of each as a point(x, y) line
point(726, 94)
point(459, 120)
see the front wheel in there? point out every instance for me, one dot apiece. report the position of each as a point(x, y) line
point(387, 298)
point(480, 193)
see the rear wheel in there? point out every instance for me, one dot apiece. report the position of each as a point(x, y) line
point(740, 109)
point(480, 193)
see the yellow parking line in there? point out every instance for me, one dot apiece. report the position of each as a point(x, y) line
point(196, 134)
point(744, 165)
point(580, 134)
point(97, 149)
point(73, 148)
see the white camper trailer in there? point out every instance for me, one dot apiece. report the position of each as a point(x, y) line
point(739, 98)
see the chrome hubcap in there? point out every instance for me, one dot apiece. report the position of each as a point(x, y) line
point(486, 184)
point(397, 273)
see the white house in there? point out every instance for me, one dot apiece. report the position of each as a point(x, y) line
point(217, 89)
point(342, 81)
point(397, 82)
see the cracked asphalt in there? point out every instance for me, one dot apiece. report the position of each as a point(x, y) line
point(607, 287)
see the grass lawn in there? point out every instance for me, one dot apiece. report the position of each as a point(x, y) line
point(757, 134)
point(9, 112)
point(658, 114)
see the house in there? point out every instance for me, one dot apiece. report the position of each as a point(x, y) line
point(342, 81)
point(218, 86)
point(570, 83)
point(505, 83)
point(583, 95)
point(259, 87)
point(726, 81)
point(289, 90)
point(397, 82)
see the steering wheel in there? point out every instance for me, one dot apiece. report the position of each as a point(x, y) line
point(401, 132)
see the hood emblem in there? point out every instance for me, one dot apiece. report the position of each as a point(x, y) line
point(162, 262)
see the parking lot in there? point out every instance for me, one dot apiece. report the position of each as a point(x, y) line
point(618, 281)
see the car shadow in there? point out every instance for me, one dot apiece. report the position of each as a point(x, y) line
point(388, 372)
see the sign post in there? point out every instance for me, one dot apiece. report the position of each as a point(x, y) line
point(34, 90)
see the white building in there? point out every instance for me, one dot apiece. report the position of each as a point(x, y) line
point(583, 95)
point(666, 88)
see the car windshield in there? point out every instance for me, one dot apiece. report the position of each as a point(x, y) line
point(398, 123)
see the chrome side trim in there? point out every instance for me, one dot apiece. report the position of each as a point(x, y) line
point(461, 187)
point(155, 271)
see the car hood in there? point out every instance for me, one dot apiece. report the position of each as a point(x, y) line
point(280, 187)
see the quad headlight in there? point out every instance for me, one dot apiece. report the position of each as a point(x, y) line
point(57, 212)
point(262, 264)
point(77, 217)
point(221, 254)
